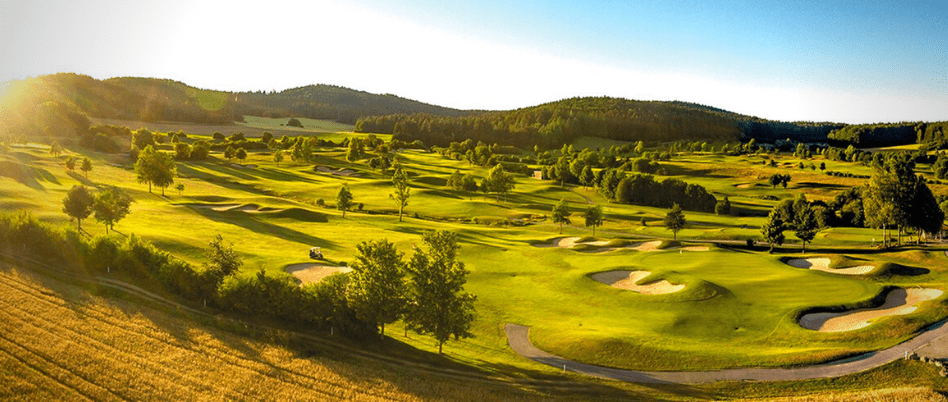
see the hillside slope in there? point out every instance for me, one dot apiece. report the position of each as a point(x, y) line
point(60, 104)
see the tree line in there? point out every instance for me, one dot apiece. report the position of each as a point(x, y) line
point(556, 123)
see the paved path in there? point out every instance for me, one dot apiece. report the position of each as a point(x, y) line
point(518, 337)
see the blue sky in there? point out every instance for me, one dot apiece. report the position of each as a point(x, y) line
point(846, 61)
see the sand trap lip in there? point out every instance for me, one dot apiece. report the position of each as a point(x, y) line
point(898, 302)
point(822, 264)
point(243, 166)
point(312, 272)
point(228, 207)
point(627, 280)
point(340, 172)
point(215, 207)
point(570, 242)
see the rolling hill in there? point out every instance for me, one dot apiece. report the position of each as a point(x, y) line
point(61, 104)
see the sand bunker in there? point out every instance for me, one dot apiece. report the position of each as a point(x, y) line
point(746, 185)
point(822, 264)
point(314, 272)
point(627, 280)
point(340, 172)
point(243, 166)
point(229, 207)
point(646, 246)
point(569, 242)
point(216, 207)
point(897, 302)
point(695, 248)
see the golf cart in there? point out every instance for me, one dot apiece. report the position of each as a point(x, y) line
point(315, 253)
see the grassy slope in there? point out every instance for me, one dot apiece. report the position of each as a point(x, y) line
point(516, 282)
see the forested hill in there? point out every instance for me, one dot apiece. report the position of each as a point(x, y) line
point(62, 103)
point(559, 122)
point(341, 104)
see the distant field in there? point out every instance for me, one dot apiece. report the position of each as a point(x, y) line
point(326, 130)
point(308, 124)
point(596, 143)
point(907, 147)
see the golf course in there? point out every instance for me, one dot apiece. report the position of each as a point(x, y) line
point(621, 290)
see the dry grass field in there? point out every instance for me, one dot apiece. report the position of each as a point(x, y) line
point(59, 342)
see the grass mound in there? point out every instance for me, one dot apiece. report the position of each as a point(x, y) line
point(890, 269)
point(300, 214)
point(210, 198)
point(432, 181)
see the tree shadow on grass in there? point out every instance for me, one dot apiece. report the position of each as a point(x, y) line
point(27, 175)
point(81, 179)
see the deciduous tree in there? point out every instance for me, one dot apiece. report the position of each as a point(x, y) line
point(594, 217)
point(377, 289)
point(675, 220)
point(773, 229)
point(86, 166)
point(401, 191)
point(278, 156)
point(344, 199)
point(805, 227)
point(78, 203)
point(561, 214)
point(438, 303)
point(111, 206)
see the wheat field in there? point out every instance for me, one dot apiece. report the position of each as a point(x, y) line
point(59, 342)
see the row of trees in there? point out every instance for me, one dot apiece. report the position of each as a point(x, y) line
point(797, 215)
point(894, 197)
point(561, 122)
point(498, 181)
point(427, 292)
point(107, 207)
point(400, 194)
point(594, 215)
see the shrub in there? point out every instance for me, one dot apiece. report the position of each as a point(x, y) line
point(320, 202)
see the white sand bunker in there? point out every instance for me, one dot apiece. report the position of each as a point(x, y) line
point(229, 207)
point(897, 302)
point(653, 246)
point(627, 280)
point(822, 264)
point(314, 272)
point(340, 172)
point(216, 207)
point(570, 242)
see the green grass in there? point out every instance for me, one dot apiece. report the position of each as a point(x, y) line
point(738, 307)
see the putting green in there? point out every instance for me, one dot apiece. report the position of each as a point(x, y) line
point(736, 309)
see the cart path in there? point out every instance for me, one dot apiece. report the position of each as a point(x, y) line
point(518, 337)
